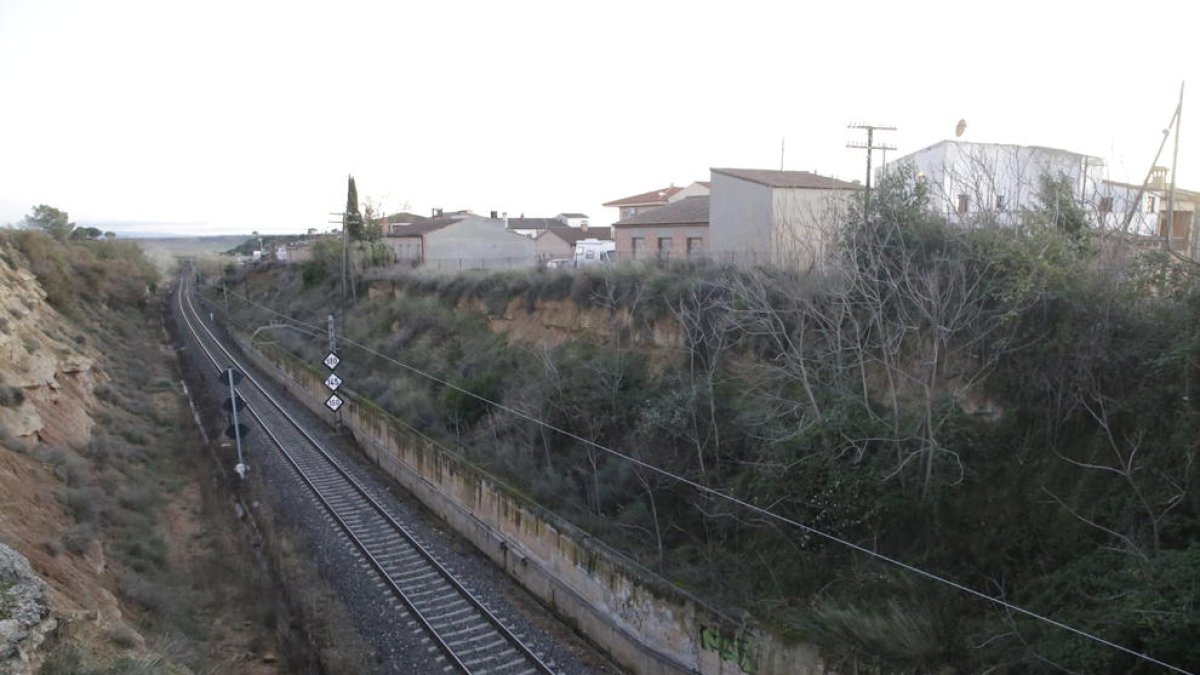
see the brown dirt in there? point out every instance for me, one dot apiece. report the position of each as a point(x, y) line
point(233, 636)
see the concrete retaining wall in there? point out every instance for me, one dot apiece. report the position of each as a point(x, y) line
point(644, 623)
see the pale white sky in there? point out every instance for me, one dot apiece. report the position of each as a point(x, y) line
point(219, 116)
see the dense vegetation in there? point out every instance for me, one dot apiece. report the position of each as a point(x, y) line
point(1009, 407)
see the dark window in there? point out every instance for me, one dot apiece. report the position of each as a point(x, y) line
point(1106, 204)
point(664, 247)
point(1150, 204)
point(639, 246)
point(695, 246)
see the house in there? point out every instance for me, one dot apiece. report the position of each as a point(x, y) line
point(533, 227)
point(573, 219)
point(780, 217)
point(395, 221)
point(975, 183)
point(461, 242)
point(557, 243)
point(678, 229)
point(1143, 211)
point(627, 207)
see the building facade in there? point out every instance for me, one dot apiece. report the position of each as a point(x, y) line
point(628, 207)
point(983, 183)
point(470, 242)
point(678, 230)
point(779, 217)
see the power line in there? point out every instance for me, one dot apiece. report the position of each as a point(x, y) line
point(771, 515)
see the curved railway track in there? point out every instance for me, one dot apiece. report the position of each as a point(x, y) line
point(470, 637)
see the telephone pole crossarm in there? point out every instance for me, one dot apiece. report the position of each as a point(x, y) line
point(870, 146)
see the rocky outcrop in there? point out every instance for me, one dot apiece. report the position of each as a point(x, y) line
point(53, 372)
point(25, 619)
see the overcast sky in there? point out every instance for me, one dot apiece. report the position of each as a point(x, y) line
point(219, 116)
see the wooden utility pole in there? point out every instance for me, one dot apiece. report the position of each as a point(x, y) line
point(870, 147)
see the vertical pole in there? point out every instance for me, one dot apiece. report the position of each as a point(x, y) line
point(345, 254)
point(1174, 161)
point(870, 149)
point(225, 292)
point(332, 336)
point(237, 433)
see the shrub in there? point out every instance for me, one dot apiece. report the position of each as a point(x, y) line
point(79, 538)
point(11, 397)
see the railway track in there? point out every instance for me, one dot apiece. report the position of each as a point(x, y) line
point(471, 638)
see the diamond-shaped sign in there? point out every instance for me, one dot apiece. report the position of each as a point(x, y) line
point(331, 361)
point(334, 402)
point(230, 373)
point(333, 381)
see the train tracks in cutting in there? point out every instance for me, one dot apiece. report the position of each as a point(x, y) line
point(470, 637)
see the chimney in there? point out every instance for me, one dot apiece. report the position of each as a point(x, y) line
point(583, 225)
point(493, 216)
point(1158, 178)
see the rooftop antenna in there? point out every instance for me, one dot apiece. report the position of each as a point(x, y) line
point(870, 147)
point(782, 141)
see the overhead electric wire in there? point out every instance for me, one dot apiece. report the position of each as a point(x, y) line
point(771, 515)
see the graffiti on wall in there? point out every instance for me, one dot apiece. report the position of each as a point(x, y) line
point(731, 649)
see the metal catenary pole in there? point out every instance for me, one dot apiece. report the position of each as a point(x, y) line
point(237, 432)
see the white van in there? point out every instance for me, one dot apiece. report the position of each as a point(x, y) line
point(595, 252)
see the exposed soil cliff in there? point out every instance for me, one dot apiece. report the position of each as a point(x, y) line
point(94, 435)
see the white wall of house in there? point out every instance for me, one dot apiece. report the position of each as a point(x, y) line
point(406, 249)
point(696, 189)
point(739, 216)
point(479, 242)
point(971, 181)
point(791, 226)
point(804, 222)
point(1146, 212)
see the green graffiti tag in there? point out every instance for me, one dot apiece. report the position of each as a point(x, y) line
point(735, 650)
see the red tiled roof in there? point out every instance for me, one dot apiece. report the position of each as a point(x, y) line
point(789, 179)
point(690, 211)
point(651, 197)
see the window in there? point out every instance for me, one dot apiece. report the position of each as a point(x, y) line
point(963, 203)
point(999, 202)
point(639, 246)
point(695, 246)
point(628, 212)
point(1150, 204)
point(1106, 204)
point(664, 248)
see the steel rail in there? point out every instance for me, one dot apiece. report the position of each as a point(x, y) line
point(429, 558)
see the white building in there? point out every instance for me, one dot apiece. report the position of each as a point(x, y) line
point(993, 182)
point(782, 217)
